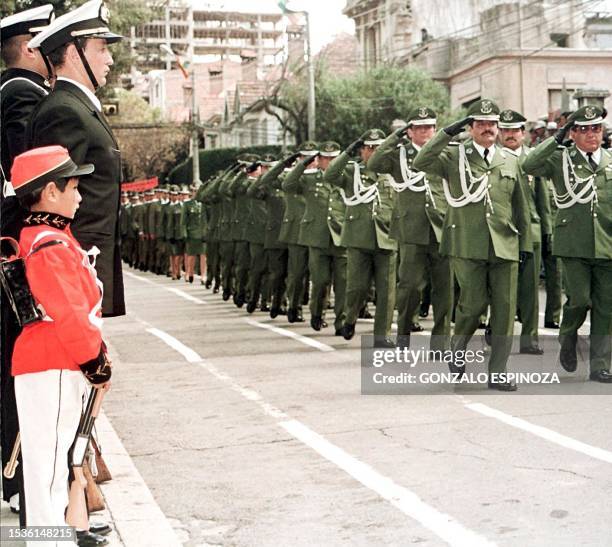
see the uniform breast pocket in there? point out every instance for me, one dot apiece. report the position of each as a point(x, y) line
point(507, 181)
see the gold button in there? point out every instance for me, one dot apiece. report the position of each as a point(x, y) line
point(328, 218)
point(594, 214)
point(427, 205)
point(329, 208)
point(453, 226)
point(488, 215)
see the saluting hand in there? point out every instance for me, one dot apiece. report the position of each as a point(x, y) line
point(562, 131)
point(290, 159)
point(354, 146)
point(456, 128)
point(402, 130)
point(309, 159)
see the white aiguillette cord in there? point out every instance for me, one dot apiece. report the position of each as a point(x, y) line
point(412, 179)
point(361, 192)
point(468, 196)
point(585, 195)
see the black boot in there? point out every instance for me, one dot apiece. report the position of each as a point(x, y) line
point(348, 331)
point(568, 358)
point(316, 322)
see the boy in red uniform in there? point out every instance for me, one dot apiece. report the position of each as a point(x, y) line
point(55, 357)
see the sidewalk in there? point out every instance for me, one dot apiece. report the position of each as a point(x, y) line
point(131, 510)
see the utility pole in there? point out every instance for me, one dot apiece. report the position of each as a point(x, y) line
point(311, 84)
point(195, 118)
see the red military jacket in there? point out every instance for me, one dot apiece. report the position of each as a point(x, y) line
point(65, 286)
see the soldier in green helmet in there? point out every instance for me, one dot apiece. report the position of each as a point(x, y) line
point(320, 231)
point(138, 214)
point(512, 136)
point(582, 175)
point(236, 191)
point(486, 229)
point(268, 188)
point(192, 230)
point(372, 251)
point(418, 216)
point(297, 265)
point(256, 235)
point(174, 234)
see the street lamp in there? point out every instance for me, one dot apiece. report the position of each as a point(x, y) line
point(282, 4)
point(195, 118)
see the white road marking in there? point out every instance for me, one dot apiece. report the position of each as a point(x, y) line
point(290, 334)
point(441, 524)
point(543, 432)
point(173, 290)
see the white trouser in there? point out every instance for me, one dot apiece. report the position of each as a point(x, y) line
point(49, 406)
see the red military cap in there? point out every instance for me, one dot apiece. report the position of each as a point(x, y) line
point(35, 168)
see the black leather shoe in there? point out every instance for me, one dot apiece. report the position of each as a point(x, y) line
point(264, 308)
point(100, 528)
point(299, 318)
point(251, 307)
point(567, 356)
point(481, 325)
point(403, 341)
point(338, 332)
point(207, 285)
point(274, 311)
point(424, 312)
point(415, 327)
point(602, 376)
point(503, 386)
point(226, 294)
point(216, 289)
point(532, 350)
point(324, 325)
point(551, 325)
point(488, 335)
point(456, 370)
point(364, 313)
point(316, 322)
point(239, 300)
point(86, 539)
point(348, 331)
point(383, 342)
point(292, 315)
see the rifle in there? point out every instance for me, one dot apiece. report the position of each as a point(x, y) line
point(76, 514)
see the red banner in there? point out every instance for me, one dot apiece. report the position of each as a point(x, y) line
point(139, 185)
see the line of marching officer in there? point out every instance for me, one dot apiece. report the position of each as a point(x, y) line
point(472, 218)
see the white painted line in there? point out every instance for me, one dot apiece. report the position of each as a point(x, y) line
point(173, 290)
point(290, 334)
point(189, 355)
point(444, 526)
point(543, 432)
point(134, 512)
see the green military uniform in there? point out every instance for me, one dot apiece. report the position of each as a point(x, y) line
point(166, 218)
point(418, 216)
point(213, 212)
point(236, 190)
point(138, 214)
point(173, 226)
point(486, 225)
point(582, 236)
point(255, 234)
point(152, 222)
point(297, 262)
point(149, 229)
point(537, 197)
point(320, 231)
point(161, 253)
point(366, 234)
point(552, 272)
point(268, 188)
point(192, 227)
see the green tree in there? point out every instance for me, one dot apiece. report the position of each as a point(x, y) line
point(348, 106)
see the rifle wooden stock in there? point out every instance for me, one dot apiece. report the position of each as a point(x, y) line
point(76, 513)
point(93, 495)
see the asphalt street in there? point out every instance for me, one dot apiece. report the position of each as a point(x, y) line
point(253, 432)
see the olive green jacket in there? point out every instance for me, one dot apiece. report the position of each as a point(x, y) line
point(153, 214)
point(295, 206)
point(268, 188)
point(321, 225)
point(192, 226)
point(583, 230)
point(367, 225)
point(413, 212)
point(467, 230)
